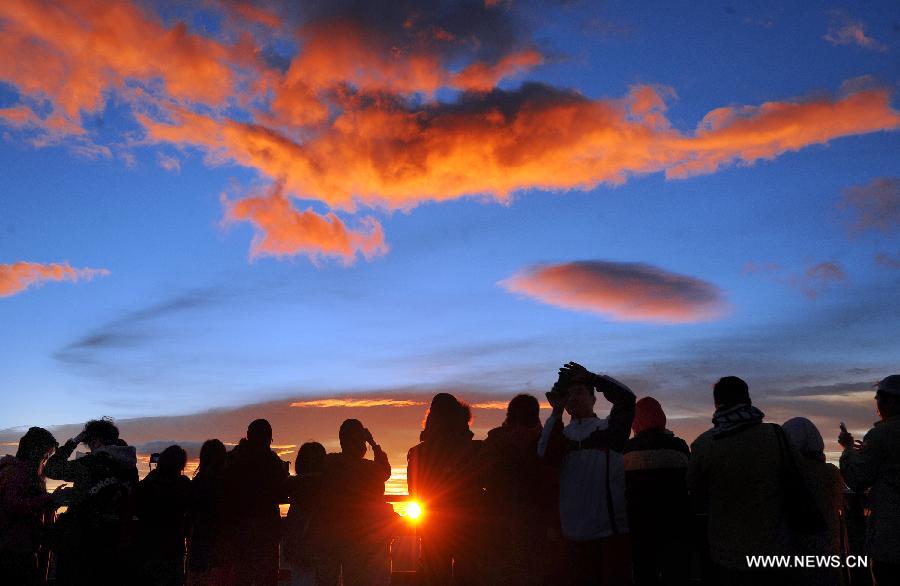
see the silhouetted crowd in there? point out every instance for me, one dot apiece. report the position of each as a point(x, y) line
point(613, 500)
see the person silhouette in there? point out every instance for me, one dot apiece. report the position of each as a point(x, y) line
point(96, 545)
point(588, 455)
point(515, 511)
point(26, 509)
point(443, 475)
point(874, 465)
point(659, 509)
point(254, 486)
point(162, 503)
point(206, 560)
point(300, 545)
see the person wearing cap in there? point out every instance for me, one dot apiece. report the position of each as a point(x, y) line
point(873, 465)
point(659, 516)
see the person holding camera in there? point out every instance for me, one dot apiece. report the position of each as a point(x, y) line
point(873, 465)
point(588, 454)
point(351, 533)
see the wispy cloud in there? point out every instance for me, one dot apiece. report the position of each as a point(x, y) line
point(874, 206)
point(818, 277)
point(844, 30)
point(20, 276)
point(168, 162)
point(887, 260)
point(621, 291)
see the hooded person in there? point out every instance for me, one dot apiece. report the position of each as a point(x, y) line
point(873, 465)
point(515, 511)
point(656, 462)
point(827, 488)
point(97, 534)
point(26, 509)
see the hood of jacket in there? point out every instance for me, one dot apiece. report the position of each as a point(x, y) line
point(124, 455)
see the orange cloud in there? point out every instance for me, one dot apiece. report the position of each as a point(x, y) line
point(19, 276)
point(358, 403)
point(285, 231)
point(73, 52)
point(621, 291)
point(379, 151)
point(351, 119)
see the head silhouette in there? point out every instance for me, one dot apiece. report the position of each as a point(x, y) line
point(730, 391)
point(310, 458)
point(523, 411)
point(805, 436)
point(100, 432)
point(648, 414)
point(259, 432)
point(35, 447)
point(172, 461)
point(447, 417)
point(887, 397)
point(212, 457)
point(353, 436)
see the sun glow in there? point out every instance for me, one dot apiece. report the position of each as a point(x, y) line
point(414, 511)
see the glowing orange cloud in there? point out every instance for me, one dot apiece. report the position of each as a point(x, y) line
point(72, 52)
point(285, 231)
point(358, 403)
point(621, 291)
point(352, 120)
point(19, 276)
point(379, 152)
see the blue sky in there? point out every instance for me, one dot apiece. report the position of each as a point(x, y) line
point(187, 319)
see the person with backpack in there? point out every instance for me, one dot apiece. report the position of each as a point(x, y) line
point(747, 477)
point(96, 545)
point(26, 509)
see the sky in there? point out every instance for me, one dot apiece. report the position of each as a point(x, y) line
point(225, 210)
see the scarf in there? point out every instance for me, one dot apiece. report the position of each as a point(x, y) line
point(729, 420)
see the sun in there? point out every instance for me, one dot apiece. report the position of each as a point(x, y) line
point(414, 510)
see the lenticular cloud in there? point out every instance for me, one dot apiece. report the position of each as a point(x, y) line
point(621, 291)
